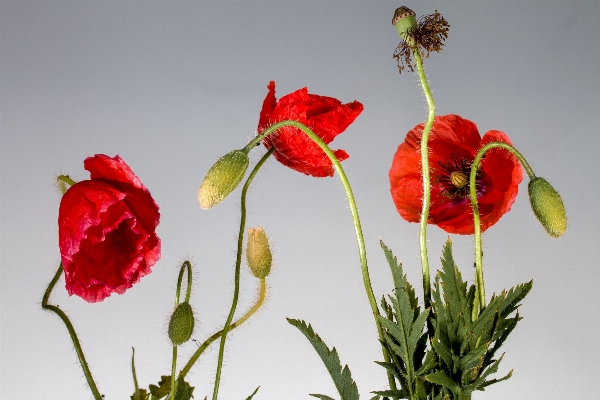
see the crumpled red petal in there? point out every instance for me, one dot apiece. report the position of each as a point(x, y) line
point(326, 116)
point(107, 233)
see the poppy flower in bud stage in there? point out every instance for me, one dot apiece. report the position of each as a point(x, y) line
point(106, 230)
point(326, 116)
point(453, 144)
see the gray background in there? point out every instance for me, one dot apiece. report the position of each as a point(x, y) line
point(171, 86)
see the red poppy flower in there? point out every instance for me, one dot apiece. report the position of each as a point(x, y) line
point(106, 230)
point(453, 144)
point(326, 116)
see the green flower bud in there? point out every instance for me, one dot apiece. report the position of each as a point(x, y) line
point(404, 20)
point(258, 253)
point(547, 206)
point(222, 178)
point(181, 325)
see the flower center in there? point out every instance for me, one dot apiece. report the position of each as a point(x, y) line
point(453, 177)
point(458, 179)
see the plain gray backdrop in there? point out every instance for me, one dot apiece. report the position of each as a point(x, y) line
point(172, 86)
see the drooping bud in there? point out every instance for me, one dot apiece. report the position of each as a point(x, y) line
point(258, 253)
point(547, 206)
point(222, 178)
point(404, 20)
point(181, 325)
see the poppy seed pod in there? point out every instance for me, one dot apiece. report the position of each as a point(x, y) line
point(547, 206)
point(181, 325)
point(222, 178)
point(258, 253)
point(404, 20)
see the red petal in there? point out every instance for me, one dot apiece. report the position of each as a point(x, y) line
point(265, 119)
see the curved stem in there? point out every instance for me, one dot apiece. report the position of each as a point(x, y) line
point(354, 211)
point(426, 178)
point(208, 342)
point(186, 266)
point(238, 262)
point(480, 287)
point(74, 339)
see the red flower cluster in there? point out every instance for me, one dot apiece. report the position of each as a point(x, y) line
point(106, 230)
point(453, 144)
point(326, 116)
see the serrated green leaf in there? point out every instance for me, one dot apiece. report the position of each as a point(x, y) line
point(429, 364)
point(514, 296)
point(394, 394)
point(163, 388)
point(253, 393)
point(183, 390)
point(342, 378)
point(440, 378)
point(322, 396)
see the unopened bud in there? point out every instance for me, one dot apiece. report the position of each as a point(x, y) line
point(404, 20)
point(547, 206)
point(258, 253)
point(181, 325)
point(222, 178)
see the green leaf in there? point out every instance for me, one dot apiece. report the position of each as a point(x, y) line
point(322, 397)
point(440, 378)
point(140, 394)
point(183, 390)
point(163, 388)
point(394, 394)
point(342, 378)
point(253, 393)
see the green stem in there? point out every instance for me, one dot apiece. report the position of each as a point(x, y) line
point(354, 211)
point(186, 266)
point(173, 368)
point(480, 287)
point(210, 340)
point(426, 178)
point(238, 263)
point(74, 339)
point(135, 381)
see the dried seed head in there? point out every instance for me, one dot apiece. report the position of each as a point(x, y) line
point(424, 36)
point(547, 206)
point(222, 178)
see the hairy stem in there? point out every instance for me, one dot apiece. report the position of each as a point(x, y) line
point(353, 210)
point(238, 263)
point(259, 302)
point(72, 333)
point(479, 285)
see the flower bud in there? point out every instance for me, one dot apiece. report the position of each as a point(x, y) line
point(181, 325)
point(258, 253)
point(547, 206)
point(222, 178)
point(404, 20)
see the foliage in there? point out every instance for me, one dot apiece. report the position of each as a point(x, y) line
point(341, 377)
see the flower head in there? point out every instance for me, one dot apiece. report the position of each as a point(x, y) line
point(326, 116)
point(453, 144)
point(106, 230)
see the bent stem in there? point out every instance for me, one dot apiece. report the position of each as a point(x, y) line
point(186, 266)
point(259, 302)
point(354, 211)
point(238, 262)
point(74, 339)
point(426, 180)
point(479, 284)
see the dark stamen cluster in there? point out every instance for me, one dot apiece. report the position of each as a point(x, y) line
point(430, 35)
point(442, 177)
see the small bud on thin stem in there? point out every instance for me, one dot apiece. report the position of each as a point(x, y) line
point(258, 253)
point(222, 178)
point(547, 206)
